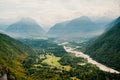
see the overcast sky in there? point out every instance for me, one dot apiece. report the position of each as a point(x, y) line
point(49, 12)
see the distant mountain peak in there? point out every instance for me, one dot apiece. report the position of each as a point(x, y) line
point(78, 27)
point(27, 19)
point(25, 27)
point(83, 18)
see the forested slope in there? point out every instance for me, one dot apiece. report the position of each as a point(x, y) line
point(12, 55)
point(106, 49)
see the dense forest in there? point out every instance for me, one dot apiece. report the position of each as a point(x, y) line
point(39, 60)
point(45, 46)
point(79, 69)
point(12, 54)
point(106, 49)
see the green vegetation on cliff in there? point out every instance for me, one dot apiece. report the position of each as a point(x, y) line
point(12, 54)
point(106, 49)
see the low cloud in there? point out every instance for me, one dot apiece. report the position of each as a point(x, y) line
point(49, 12)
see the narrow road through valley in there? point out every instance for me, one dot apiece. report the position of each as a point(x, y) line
point(90, 60)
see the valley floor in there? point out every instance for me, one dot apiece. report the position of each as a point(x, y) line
point(90, 60)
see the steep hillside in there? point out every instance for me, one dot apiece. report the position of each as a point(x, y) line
point(26, 27)
point(106, 49)
point(12, 54)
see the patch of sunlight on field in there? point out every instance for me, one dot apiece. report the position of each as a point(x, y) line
point(52, 60)
point(67, 68)
point(74, 78)
point(37, 65)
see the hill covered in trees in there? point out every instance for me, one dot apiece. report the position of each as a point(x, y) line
point(106, 49)
point(12, 55)
point(41, 61)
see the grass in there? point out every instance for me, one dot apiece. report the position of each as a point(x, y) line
point(74, 78)
point(52, 60)
point(67, 68)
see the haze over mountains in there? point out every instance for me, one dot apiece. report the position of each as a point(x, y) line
point(59, 40)
point(79, 27)
point(32, 59)
point(26, 27)
point(3, 26)
point(112, 23)
point(82, 27)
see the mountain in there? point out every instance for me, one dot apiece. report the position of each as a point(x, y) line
point(4, 23)
point(57, 29)
point(26, 27)
point(79, 27)
point(106, 49)
point(112, 23)
point(3, 26)
point(12, 55)
point(103, 22)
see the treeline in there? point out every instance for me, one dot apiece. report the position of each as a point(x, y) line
point(12, 54)
point(80, 69)
point(45, 46)
point(82, 72)
point(85, 71)
point(71, 60)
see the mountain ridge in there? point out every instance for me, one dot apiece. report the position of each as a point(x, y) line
point(78, 27)
point(26, 27)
